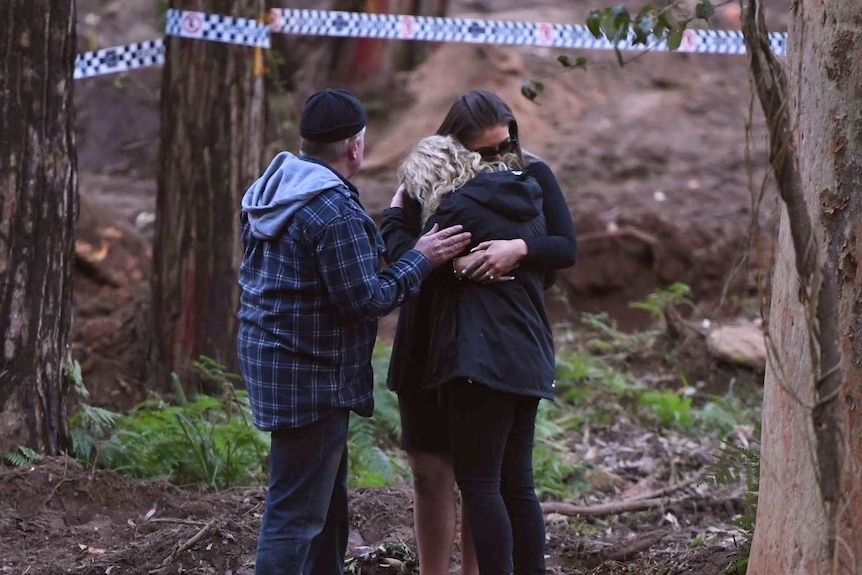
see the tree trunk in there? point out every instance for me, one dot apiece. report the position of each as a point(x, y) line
point(212, 129)
point(38, 207)
point(810, 506)
point(369, 66)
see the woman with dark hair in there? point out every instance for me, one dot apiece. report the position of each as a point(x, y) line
point(490, 350)
point(482, 122)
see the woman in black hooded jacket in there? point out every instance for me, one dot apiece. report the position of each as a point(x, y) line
point(490, 349)
point(481, 121)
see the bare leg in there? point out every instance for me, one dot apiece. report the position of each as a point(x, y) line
point(469, 563)
point(434, 512)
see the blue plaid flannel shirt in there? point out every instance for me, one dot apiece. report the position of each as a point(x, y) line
point(310, 303)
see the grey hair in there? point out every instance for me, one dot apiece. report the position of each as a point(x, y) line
point(437, 166)
point(328, 151)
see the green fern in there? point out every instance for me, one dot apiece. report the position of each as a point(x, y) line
point(21, 456)
point(656, 304)
point(201, 440)
point(90, 426)
point(737, 465)
point(369, 464)
point(373, 442)
point(555, 475)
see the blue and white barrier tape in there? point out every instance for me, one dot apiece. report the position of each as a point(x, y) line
point(247, 32)
point(396, 27)
point(120, 59)
point(217, 28)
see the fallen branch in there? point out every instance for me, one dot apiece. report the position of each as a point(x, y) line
point(175, 520)
point(656, 498)
point(166, 567)
point(667, 490)
point(626, 552)
point(605, 508)
point(194, 539)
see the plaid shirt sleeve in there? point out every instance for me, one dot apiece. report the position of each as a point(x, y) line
point(348, 254)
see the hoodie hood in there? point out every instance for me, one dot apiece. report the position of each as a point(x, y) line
point(287, 184)
point(512, 193)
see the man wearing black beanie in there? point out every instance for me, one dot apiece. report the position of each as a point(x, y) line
point(313, 289)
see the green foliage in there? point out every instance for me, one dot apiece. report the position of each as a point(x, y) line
point(554, 471)
point(21, 456)
point(88, 423)
point(676, 295)
point(369, 464)
point(651, 25)
point(206, 440)
point(531, 89)
point(597, 383)
point(723, 414)
point(372, 443)
point(671, 408)
point(737, 465)
point(605, 340)
point(566, 62)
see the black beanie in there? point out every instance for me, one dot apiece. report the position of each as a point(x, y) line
point(331, 115)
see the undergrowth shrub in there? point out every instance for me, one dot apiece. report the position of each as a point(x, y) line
point(372, 442)
point(740, 465)
point(203, 440)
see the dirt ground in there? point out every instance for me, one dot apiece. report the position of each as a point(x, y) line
point(661, 163)
point(57, 517)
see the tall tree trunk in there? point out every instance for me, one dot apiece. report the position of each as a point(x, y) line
point(809, 517)
point(38, 208)
point(212, 131)
point(366, 65)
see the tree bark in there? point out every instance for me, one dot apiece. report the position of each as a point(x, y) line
point(212, 133)
point(365, 65)
point(810, 505)
point(38, 208)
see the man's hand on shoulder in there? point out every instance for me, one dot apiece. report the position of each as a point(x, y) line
point(440, 246)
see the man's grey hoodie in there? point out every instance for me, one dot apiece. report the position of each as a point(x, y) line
point(287, 184)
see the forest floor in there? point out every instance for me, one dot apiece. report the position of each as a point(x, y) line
point(663, 163)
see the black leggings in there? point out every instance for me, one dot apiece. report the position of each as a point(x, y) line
point(491, 436)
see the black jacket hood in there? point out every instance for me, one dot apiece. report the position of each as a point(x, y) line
point(518, 197)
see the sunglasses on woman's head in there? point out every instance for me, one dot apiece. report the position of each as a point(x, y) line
point(507, 146)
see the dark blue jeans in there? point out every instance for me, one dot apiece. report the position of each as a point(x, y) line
point(305, 525)
point(491, 434)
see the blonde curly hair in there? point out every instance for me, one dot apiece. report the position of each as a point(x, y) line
point(437, 166)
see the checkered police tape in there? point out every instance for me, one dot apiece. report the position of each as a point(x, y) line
point(186, 24)
point(120, 59)
point(401, 27)
point(232, 30)
point(217, 28)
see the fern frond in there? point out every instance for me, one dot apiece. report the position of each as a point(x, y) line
point(21, 456)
